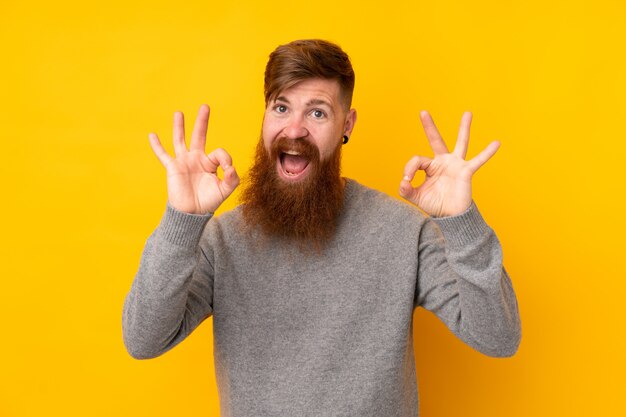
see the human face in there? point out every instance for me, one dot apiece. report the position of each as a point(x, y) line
point(313, 111)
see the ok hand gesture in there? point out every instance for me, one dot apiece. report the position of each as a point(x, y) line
point(447, 189)
point(192, 182)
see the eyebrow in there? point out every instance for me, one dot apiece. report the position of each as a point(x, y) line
point(318, 102)
point(312, 102)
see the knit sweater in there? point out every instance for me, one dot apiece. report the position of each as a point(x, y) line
point(321, 334)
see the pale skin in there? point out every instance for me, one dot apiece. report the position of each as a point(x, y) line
point(311, 110)
point(194, 185)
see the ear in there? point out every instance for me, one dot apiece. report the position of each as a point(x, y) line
point(350, 122)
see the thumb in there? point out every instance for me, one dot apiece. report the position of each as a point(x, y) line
point(406, 189)
point(230, 181)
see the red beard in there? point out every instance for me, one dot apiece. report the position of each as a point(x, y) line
point(303, 212)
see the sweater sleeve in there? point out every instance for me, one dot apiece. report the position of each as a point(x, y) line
point(463, 281)
point(173, 289)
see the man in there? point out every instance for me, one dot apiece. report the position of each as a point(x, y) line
point(313, 280)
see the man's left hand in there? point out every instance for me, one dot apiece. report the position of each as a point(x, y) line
point(447, 189)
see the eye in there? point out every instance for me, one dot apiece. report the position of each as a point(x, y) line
point(280, 108)
point(318, 114)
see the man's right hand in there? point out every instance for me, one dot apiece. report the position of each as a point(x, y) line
point(192, 182)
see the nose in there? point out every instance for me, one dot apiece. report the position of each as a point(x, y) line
point(296, 128)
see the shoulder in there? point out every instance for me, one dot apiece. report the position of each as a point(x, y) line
point(222, 228)
point(367, 199)
point(226, 222)
point(367, 205)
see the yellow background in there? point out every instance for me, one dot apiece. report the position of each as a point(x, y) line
point(83, 84)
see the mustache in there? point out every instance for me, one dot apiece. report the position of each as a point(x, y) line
point(301, 145)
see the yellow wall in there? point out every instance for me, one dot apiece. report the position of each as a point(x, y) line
point(82, 85)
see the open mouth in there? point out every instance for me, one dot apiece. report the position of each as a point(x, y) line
point(292, 164)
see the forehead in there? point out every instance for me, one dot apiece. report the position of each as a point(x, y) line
point(312, 89)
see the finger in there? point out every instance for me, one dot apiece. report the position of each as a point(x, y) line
point(480, 159)
point(179, 134)
point(462, 141)
point(198, 137)
point(436, 141)
point(219, 158)
point(416, 163)
point(410, 169)
point(156, 146)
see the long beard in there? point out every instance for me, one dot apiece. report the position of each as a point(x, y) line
point(303, 212)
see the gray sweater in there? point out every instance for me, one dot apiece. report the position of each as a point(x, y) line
point(326, 334)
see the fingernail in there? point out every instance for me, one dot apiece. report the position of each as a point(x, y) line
point(407, 178)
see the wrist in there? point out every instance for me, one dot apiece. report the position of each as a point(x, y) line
point(181, 228)
point(464, 228)
point(464, 208)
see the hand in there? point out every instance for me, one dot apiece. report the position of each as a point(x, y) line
point(447, 189)
point(192, 182)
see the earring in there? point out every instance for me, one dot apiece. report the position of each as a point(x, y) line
point(345, 139)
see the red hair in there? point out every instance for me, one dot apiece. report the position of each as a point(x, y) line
point(305, 59)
